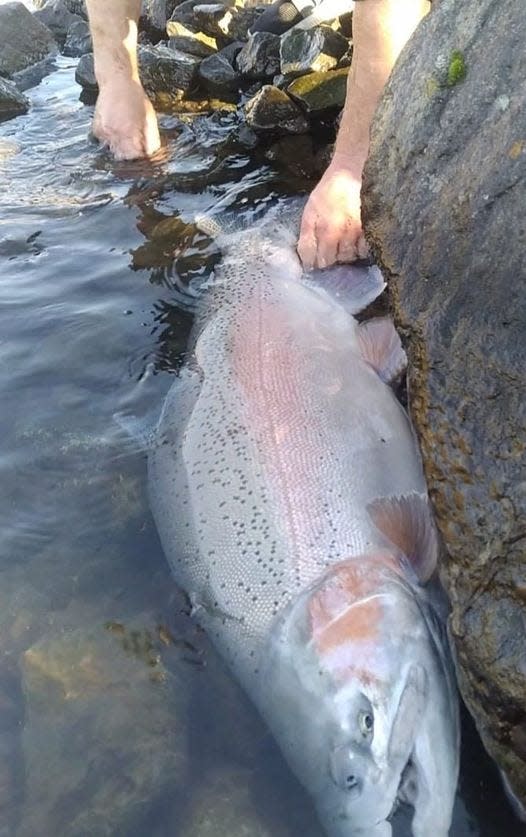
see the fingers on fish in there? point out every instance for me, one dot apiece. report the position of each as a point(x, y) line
point(407, 523)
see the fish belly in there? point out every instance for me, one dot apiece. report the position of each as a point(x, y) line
point(267, 456)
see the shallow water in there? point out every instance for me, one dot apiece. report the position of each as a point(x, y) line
point(116, 717)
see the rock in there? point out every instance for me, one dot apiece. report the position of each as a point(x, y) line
point(225, 21)
point(218, 76)
point(184, 13)
point(23, 40)
point(58, 19)
point(155, 13)
point(318, 92)
point(78, 40)
point(178, 31)
point(102, 728)
point(191, 45)
point(259, 58)
point(85, 73)
point(443, 206)
point(166, 73)
point(271, 110)
point(12, 101)
point(76, 7)
point(312, 50)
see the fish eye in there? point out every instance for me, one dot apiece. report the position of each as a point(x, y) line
point(366, 723)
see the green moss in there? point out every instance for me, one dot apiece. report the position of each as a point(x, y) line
point(457, 69)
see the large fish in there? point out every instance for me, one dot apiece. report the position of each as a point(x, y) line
point(288, 492)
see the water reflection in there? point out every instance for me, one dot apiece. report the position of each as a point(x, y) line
point(116, 717)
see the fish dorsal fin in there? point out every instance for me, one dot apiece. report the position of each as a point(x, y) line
point(355, 286)
point(407, 522)
point(380, 346)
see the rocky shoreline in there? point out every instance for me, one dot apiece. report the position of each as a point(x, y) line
point(195, 57)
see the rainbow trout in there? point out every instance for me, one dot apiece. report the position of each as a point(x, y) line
point(288, 491)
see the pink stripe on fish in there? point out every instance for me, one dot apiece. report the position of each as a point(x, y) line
point(265, 359)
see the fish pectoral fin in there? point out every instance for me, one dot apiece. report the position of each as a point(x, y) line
point(407, 522)
point(380, 346)
point(408, 716)
point(355, 286)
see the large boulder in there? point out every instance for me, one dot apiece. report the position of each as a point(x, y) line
point(23, 39)
point(443, 201)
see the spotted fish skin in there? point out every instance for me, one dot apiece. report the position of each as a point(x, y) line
point(271, 447)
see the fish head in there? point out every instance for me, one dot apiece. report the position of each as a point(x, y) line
point(347, 684)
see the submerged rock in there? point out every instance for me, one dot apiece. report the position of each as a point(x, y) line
point(311, 50)
point(78, 40)
point(318, 92)
point(100, 728)
point(23, 39)
point(271, 110)
point(12, 101)
point(259, 58)
point(443, 202)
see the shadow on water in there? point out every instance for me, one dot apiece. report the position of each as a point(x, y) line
point(116, 716)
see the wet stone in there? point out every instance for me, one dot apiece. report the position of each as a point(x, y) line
point(85, 73)
point(218, 76)
point(23, 39)
point(318, 92)
point(259, 58)
point(166, 72)
point(12, 101)
point(78, 40)
point(271, 110)
point(100, 727)
point(58, 19)
point(313, 50)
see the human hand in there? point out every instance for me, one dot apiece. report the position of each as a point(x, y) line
point(331, 227)
point(125, 120)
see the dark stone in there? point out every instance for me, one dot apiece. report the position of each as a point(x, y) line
point(180, 32)
point(85, 73)
point(155, 13)
point(271, 110)
point(166, 73)
point(76, 7)
point(78, 40)
point(312, 50)
point(443, 204)
point(218, 76)
point(318, 92)
point(259, 58)
point(58, 19)
point(225, 21)
point(12, 101)
point(23, 39)
point(191, 45)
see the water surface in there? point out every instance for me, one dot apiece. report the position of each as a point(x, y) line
point(116, 716)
